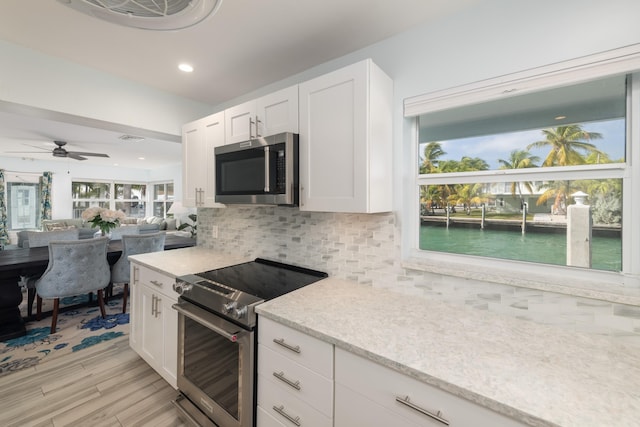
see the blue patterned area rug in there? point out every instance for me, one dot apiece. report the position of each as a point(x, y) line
point(76, 330)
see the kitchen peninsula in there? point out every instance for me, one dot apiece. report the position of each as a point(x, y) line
point(532, 374)
point(535, 374)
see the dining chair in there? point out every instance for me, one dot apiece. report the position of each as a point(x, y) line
point(36, 239)
point(133, 244)
point(75, 268)
point(118, 232)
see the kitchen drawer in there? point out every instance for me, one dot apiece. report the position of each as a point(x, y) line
point(158, 281)
point(271, 396)
point(264, 419)
point(383, 385)
point(353, 409)
point(294, 378)
point(306, 350)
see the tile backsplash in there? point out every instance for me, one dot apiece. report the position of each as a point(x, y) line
point(364, 248)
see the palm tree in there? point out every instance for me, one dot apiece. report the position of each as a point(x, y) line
point(432, 152)
point(467, 195)
point(568, 144)
point(569, 147)
point(556, 190)
point(520, 159)
point(472, 164)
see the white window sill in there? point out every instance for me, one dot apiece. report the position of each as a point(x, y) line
point(607, 286)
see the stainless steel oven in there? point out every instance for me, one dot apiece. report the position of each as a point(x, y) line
point(216, 367)
point(217, 337)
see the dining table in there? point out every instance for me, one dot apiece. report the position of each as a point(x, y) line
point(21, 262)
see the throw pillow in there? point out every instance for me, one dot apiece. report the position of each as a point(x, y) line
point(171, 224)
point(51, 226)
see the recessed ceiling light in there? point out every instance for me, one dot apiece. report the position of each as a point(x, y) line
point(186, 68)
point(561, 117)
point(140, 158)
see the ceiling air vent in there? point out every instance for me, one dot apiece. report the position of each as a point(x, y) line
point(159, 15)
point(131, 138)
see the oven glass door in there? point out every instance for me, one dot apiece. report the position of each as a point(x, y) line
point(216, 366)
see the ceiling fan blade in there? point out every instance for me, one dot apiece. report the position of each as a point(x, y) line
point(80, 153)
point(43, 150)
point(76, 156)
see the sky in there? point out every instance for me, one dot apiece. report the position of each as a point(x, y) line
point(490, 148)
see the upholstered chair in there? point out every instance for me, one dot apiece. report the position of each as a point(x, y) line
point(133, 245)
point(75, 268)
point(42, 238)
point(118, 232)
point(36, 239)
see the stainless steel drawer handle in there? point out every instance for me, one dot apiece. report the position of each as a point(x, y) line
point(437, 416)
point(155, 282)
point(280, 410)
point(281, 377)
point(280, 341)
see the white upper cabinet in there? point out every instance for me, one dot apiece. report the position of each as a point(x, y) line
point(199, 139)
point(346, 141)
point(269, 115)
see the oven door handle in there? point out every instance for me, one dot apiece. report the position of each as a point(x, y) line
point(198, 315)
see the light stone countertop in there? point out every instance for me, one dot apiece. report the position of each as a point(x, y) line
point(537, 374)
point(178, 262)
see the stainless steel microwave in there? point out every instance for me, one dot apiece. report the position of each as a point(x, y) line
point(259, 171)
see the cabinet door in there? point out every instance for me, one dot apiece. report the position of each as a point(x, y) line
point(213, 129)
point(152, 333)
point(278, 112)
point(199, 140)
point(239, 122)
point(193, 156)
point(135, 310)
point(170, 342)
point(345, 141)
point(265, 116)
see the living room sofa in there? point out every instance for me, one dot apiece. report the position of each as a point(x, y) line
point(86, 231)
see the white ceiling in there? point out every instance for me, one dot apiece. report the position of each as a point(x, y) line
point(246, 45)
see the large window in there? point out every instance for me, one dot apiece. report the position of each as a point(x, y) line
point(129, 198)
point(23, 205)
point(162, 198)
point(518, 177)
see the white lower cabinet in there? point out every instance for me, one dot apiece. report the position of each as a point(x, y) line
point(369, 394)
point(303, 381)
point(295, 378)
point(154, 323)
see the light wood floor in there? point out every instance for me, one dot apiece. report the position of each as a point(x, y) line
point(104, 385)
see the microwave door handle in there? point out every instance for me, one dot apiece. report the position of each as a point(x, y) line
point(267, 171)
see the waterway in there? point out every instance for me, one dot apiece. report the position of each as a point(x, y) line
point(547, 248)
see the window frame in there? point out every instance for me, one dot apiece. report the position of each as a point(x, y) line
point(166, 200)
point(615, 286)
point(21, 178)
point(112, 200)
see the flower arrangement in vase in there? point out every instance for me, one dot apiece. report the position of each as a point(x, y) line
point(103, 218)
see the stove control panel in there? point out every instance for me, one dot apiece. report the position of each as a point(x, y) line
point(234, 310)
point(181, 287)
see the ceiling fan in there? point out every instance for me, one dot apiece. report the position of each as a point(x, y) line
point(60, 151)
